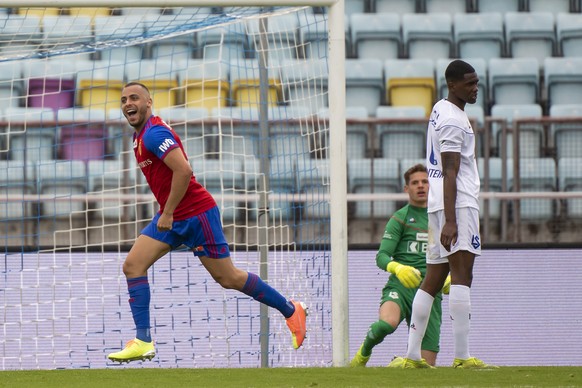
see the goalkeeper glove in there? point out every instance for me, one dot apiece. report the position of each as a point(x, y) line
point(447, 286)
point(408, 276)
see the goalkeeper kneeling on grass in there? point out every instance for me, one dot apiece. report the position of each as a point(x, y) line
point(402, 253)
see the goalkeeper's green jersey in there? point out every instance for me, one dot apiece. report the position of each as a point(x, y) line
point(405, 239)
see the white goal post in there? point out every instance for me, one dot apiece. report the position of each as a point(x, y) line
point(337, 142)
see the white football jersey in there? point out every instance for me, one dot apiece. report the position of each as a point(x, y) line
point(449, 130)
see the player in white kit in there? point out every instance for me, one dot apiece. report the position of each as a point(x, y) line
point(453, 217)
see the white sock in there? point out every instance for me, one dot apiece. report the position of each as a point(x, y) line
point(460, 311)
point(421, 306)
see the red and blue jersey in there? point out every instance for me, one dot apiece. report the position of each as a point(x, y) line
point(151, 145)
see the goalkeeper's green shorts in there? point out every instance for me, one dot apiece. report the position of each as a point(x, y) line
point(395, 292)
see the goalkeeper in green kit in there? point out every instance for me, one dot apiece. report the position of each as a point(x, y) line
point(403, 253)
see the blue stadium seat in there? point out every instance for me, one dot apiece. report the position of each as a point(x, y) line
point(313, 181)
point(536, 174)
point(64, 27)
point(479, 35)
point(108, 28)
point(514, 81)
point(189, 125)
point(554, 6)
point(428, 35)
point(400, 7)
point(281, 34)
point(531, 136)
point(501, 6)
point(110, 177)
point(374, 176)
point(300, 78)
point(530, 35)
point(21, 34)
point(32, 133)
point(402, 139)
point(569, 34)
point(11, 84)
point(17, 178)
point(376, 35)
point(495, 181)
point(570, 179)
point(567, 137)
point(450, 6)
point(364, 83)
point(61, 179)
point(178, 47)
point(563, 80)
point(356, 134)
point(313, 36)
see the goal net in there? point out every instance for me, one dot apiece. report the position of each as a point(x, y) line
point(242, 87)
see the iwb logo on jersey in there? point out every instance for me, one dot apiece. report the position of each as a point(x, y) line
point(166, 144)
point(416, 247)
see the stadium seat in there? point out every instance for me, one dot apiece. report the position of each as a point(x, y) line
point(396, 6)
point(479, 35)
point(123, 27)
point(281, 34)
point(514, 81)
point(239, 132)
point(99, 84)
point(313, 37)
point(570, 179)
point(495, 181)
point(480, 66)
point(11, 84)
point(379, 175)
point(290, 134)
point(61, 179)
point(139, 11)
point(224, 44)
point(245, 83)
point(536, 175)
point(178, 47)
point(567, 137)
point(57, 29)
point(476, 115)
point(189, 124)
point(32, 133)
point(531, 136)
point(530, 35)
point(82, 134)
point(21, 35)
point(356, 134)
point(223, 178)
point(119, 134)
point(50, 83)
point(569, 35)
point(354, 6)
point(313, 181)
point(305, 83)
point(427, 36)
point(554, 6)
point(449, 6)
point(364, 83)
point(110, 177)
point(402, 139)
point(376, 35)
point(17, 178)
point(563, 80)
point(410, 82)
point(205, 84)
point(161, 78)
point(502, 6)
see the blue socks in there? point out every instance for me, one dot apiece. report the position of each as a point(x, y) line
point(139, 302)
point(260, 291)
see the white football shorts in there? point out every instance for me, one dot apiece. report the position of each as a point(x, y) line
point(468, 235)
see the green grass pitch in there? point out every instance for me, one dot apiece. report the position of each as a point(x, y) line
point(295, 377)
